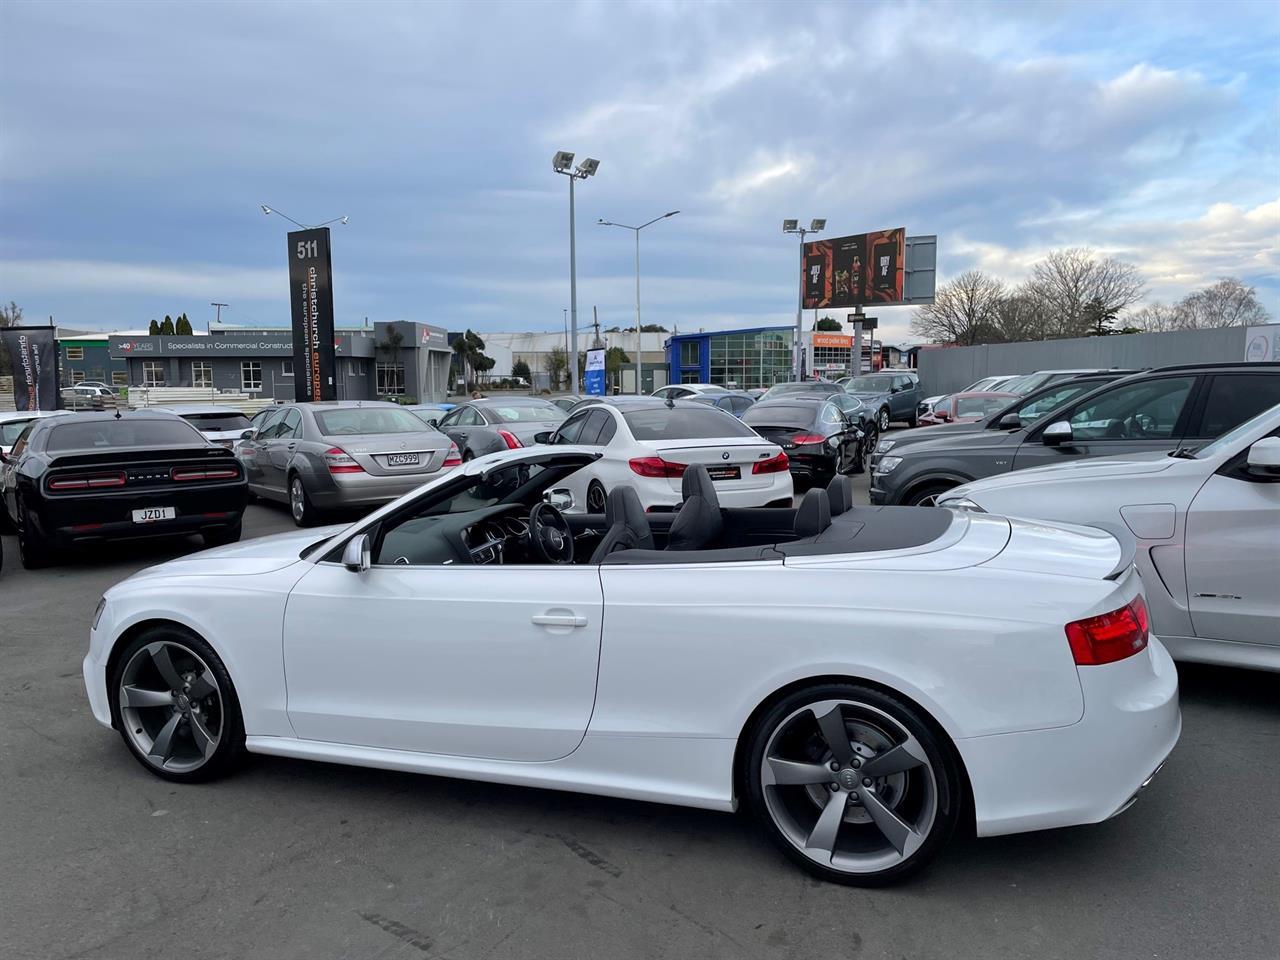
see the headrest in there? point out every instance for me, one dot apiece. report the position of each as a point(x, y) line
point(698, 483)
point(623, 506)
point(814, 514)
point(697, 525)
point(840, 494)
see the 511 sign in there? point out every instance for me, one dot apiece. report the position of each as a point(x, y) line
point(311, 303)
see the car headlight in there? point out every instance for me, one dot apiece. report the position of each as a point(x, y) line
point(888, 465)
point(961, 503)
point(97, 614)
point(884, 446)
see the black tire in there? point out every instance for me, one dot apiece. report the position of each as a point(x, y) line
point(932, 787)
point(882, 419)
point(924, 496)
point(31, 551)
point(913, 421)
point(229, 751)
point(301, 508)
point(595, 497)
point(221, 536)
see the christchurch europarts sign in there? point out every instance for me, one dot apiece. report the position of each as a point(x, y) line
point(122, 348)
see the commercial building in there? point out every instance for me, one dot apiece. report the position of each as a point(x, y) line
point(761, 356)
point(539, 349)
point(403, 359)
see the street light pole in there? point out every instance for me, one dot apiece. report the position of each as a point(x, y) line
point(639, 335)
point(797, 353)
point(268, 211)
point(562, 163)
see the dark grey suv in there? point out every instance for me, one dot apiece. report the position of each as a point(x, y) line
point(1158, 410)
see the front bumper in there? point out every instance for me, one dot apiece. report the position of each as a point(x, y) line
point(1086, 772)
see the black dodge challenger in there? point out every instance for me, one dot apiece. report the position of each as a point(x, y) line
point(94, 477)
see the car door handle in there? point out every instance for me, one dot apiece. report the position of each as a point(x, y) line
point(292, 446)
point(559, 620)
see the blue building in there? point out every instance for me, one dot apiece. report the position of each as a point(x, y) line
point(749, 358)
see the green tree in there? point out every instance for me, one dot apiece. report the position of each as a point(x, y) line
point(652, 328)
point(182, 327)
point(828, 325)
point(615, 358)
point(1099, 319)
point(520, 370)
point(556, 363)
point(154, 329)
point(166, 326)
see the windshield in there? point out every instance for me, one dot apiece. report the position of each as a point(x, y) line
point(216, 422)
point(98, 434)
point(1231, 436)
point(782, 415)
point(526, 412)
point(684, 423)
point(10, 430)
point(1033, 410)
point(980, 406)
point(364, 421)
point(869, 384)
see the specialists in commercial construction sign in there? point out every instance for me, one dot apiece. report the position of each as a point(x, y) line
point(33, 354)
point(849, 271)
point(311, 302)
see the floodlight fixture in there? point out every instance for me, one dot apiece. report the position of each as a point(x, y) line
point(265, 209)
point(588, 167)
point(817, 225)
point(671, 214)
point(562, 161)
point(790, 226)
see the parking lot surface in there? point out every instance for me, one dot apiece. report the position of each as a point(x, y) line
point(290, 859)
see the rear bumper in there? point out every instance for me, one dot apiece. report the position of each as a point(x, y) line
point(1086, 772)
point(658, 496)
point(62, 521)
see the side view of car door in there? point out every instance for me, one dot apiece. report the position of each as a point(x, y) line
point(1141, 416)
point(253, 452)
point(457, 423)
point(902, 403)
point(1233, 555)
point(284, 440)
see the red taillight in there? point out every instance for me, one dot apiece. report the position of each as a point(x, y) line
point(657, 467)
point(339, 461)
point(453, 458)
point(778, 464)
point(203, 473)
point(808, 438)
point(92, 482)
point(1110, 636)
point(510, 439)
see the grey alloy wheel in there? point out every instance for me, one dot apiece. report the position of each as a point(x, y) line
point(849, 787)
point(171, 707)
point(882, 419)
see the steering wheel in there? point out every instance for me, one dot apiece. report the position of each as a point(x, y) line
point(549, 531)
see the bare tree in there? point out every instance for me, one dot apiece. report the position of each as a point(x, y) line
point(964, 311)
point(1227, 303)
point(10, 316)
point(1158, 317)
point(1066, 281)
point(1022, 316)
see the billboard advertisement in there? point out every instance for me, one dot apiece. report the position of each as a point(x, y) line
point(33, 355)
point(1262, 343)
point(851, 271)
point(594, 380)
point(311, 303)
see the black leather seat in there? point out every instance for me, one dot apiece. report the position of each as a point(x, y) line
point(698, 524)
point(840, 495)
point(814, 515)
point(628, 525)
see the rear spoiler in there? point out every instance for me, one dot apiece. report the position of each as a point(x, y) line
point(1128, 548)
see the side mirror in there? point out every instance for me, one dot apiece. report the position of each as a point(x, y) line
point(357, 555)
point(543, 436)
point(247, 435)
point(941, 415)
point(833, 442)
point(1264, 458)
point(434, 422)
point(1056, 434)
point(1010, 421)
point(560, 499)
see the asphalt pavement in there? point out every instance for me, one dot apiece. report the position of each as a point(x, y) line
point(289, 859)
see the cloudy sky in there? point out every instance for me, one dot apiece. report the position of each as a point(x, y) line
point(137, 141)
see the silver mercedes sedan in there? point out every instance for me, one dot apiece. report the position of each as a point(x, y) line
point(321, 457)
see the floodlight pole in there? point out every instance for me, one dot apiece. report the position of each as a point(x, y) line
point(797, 352)
point(573, 295)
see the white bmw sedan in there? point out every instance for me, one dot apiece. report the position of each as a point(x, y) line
point(647, 443)
point(1207, 524)
point(471, 629)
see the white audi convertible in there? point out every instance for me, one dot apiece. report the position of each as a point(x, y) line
point(859, 678)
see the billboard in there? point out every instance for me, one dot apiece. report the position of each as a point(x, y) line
point(1262, 343)
point(311, 303)
point(862, 269)
point(33, 354)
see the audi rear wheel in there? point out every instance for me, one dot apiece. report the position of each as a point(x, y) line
point(853, 784)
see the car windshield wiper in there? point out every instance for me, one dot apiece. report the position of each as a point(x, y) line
point(1184, 453)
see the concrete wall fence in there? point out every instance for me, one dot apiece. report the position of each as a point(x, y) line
point(947, 369)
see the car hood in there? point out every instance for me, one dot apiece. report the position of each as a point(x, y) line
point(1100, 468)
point(868, 396)
point(246, 558)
